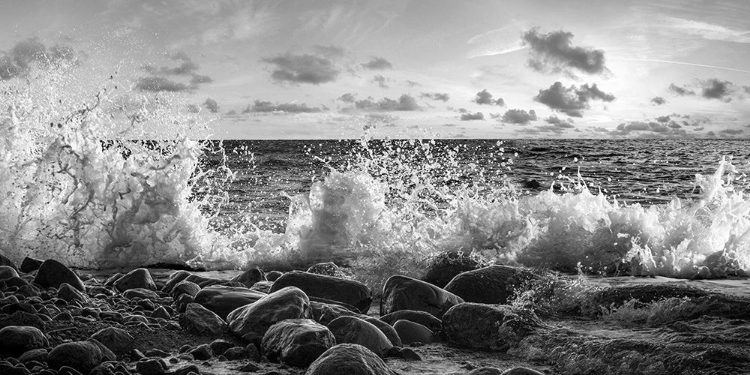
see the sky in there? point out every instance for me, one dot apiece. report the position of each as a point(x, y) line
point(410, 68)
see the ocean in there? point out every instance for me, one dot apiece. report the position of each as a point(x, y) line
point(94, 186)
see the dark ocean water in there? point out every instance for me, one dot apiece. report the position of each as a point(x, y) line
point(632, 171)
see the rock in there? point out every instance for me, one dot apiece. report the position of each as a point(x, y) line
point(411, 332)
point(14, 340)
point(521, 371)
point(493, 327)
point(52, 274)
point(80, 355)
point(185, 287)
point(262, 286)
point(218, 346)
point(333, 288)
point(22, 318)
point(174, 279)
point(151, 367)
point(494, 284)
point(446, 266)
point(349, 329)
point(384, 327)
point(485, 371)
point(297, 342)
point(30, 264)
point(324, 313)
point(406, 293)
point(424, 318)
point(405, 353)
point(273, 275)
point(224, 299)
point(141, 293)
point(69, 294)
point(349, 359)
point(118, 340)
point(39, 355)
point(202, 352)
point(200, 320)
point(7, 272)
point(137, 278)
point(235, 353)
point(287, 303)
point(250, 277)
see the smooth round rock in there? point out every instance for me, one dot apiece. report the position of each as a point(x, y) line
point(349, 359)
point(80, 355)
point(350, 292)
point(297, 342)
point(224, 299)
point(406, 293)
point(52, 274)
point(411, 332)
point(118, 340)
point(287, 303)
point(14, 340)
point(492, 327)
point(200, 320)
point(424, 318)
point(137, 278)
point(494, 284)
point(353, 330)
point(250, 277)
point(7, 272)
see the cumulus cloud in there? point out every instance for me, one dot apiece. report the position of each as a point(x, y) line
point(658, 100)
point(680, 90)
point(518, 116)
point(305, 68)
point(436, 96)
point(559, 123)
point(731, 131)
point(211, 105)
point(377, 63)
point(472, 116)
point(404, 103)
point(554, 52)
point(717, 89)
point(381, 81)
point(650, 129)
point(331, 52)
point(25, 54)
point(266, 107)
point(484, 97)
point(158, 80)
point(571, 100)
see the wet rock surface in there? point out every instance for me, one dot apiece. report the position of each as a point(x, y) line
point(618, 326)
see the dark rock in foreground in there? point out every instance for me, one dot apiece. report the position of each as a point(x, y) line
point(297, 342)
point(80, 355)
point(224, 299)
point(406, 293)
point(446, 266)
point(493, 284)
point(493, 327)
point(52, 274)
point(349, 359)
point(287, 303)
point(350, 292)
point(350, 329)
point(14, 340)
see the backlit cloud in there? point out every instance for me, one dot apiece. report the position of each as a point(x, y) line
point(305, 68)
point(377, 63)
point(717, 89)
point(484, 97)
point(572, 100)
point(554, 52)
point(381, 81)
point(19, 60)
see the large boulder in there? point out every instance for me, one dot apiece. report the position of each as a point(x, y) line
point(492, 327)
point(287, 303)
point(424, 318)
point(118, 340)
point(138, 278)
point(384, 327)
point(80, 355)
point(446, 266)
point(349, 359)
point(14, 340)
point(410, 332)
point(406, 293)
point(5, 261)
point(30, 264)
point(350, 292)
point(494, 284)
point(224, 299)
point(200, 320)
point(7, 272)
point(52, 274)
point(185, 287)
point(353, 330)
point(324, 313)
point(297, 342)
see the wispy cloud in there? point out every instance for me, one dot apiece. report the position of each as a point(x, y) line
point(707, 30)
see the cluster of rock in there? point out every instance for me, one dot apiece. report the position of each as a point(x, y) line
point(300, 319)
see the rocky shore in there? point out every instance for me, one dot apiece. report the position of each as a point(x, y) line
point(459, 318)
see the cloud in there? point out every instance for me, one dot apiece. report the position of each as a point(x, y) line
point(412, 83)
point(559, 123)
point(266, 107)
point(573, 100)
point(650, 129)
point(436, 96)
point(303, 69)
point(518, 116)
point(156, 84)
point(377, 63)
point(331, 52)
point(717, 89)
point(381, 81)
point(211, 105)
point(484, 97)
point(404, 103)
point(731, 131)
point(554, 52)
point(662, 119)
point(472, 116)
point(19, 60)
point(347, 98)
point(658, 100)
point(680, 90)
